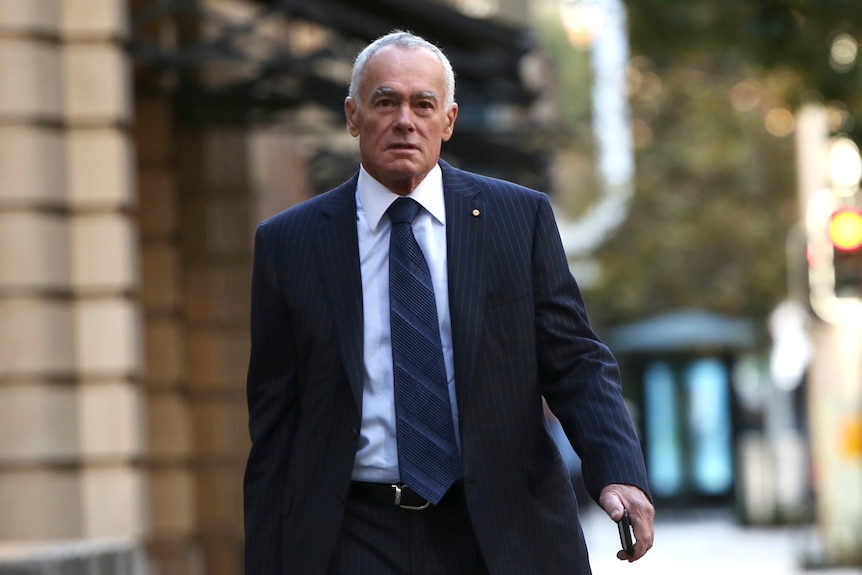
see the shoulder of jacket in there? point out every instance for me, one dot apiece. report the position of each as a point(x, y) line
point(494, 185)
point(305, 213)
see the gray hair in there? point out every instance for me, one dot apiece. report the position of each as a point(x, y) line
point(406, 41)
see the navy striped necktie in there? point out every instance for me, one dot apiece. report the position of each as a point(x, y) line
point(427, 452)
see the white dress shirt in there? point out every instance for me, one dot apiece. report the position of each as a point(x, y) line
point(377, 453)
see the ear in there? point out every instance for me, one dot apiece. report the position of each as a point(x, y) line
point(351, 110)
point(450, 122)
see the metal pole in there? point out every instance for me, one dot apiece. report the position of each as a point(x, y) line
point(835, 375)
point(609, 57)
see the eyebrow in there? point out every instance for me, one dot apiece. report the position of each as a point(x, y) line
point(425, 96)
point(384, 91)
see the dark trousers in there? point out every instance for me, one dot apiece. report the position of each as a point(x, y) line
point(379, 539)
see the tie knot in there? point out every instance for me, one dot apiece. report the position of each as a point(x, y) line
point(403, 211)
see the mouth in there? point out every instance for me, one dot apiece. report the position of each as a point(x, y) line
point(401, 147)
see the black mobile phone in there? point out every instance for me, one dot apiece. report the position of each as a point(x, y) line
point(625, 528)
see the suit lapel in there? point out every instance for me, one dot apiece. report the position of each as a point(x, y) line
point(337, 250)
point(465, 213)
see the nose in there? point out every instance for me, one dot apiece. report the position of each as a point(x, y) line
point(404, 119)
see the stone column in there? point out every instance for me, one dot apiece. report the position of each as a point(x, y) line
point(39, 485)
point(70, 409)
point(100, 195)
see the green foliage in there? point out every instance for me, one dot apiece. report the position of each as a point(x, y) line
point(768, 35)
point(715, 198)
point(571, 77)
point(715, 190)
point(571, 135)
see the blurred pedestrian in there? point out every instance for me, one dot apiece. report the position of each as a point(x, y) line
point(405, 327)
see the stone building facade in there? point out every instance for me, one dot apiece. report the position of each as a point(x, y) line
point(123, 302)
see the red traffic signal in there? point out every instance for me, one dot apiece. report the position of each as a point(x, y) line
point(845, 234)
point(845, 229)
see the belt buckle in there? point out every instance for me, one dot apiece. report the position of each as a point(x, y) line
point(398, 493)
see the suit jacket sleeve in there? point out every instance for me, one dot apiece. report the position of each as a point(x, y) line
point(579, 377)
point(272, 396)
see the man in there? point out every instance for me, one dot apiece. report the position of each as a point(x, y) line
point(344, 475)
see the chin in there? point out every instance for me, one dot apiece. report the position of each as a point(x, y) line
point(404, 168)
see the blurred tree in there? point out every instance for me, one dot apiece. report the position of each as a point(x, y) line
point(714, 88)
point(569, 132)
point(768, 34)
point(715, 198)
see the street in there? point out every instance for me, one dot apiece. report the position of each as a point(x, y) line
point(704, 543)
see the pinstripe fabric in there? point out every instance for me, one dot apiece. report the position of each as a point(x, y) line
point(520, 332)
point(383, 540)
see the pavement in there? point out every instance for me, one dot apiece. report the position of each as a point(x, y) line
point(705, 543)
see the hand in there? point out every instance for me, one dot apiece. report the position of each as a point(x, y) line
point(616, 497)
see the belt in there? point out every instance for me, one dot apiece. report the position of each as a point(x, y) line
point(401, 495)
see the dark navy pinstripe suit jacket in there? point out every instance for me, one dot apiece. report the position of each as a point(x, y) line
point(520, 332)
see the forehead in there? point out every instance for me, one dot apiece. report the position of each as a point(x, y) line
point(404, 70)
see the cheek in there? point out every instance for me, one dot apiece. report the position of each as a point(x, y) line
point(374, 131)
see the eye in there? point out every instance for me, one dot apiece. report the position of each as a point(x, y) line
point(425, 106)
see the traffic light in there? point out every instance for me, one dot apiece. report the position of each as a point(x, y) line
point(833, 230)
point(845, 234)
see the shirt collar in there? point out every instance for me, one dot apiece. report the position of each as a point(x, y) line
point(376, 198)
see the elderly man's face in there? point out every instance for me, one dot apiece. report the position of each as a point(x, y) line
point(400, 119)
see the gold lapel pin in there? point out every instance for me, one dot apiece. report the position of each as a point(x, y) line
point(476, 213)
